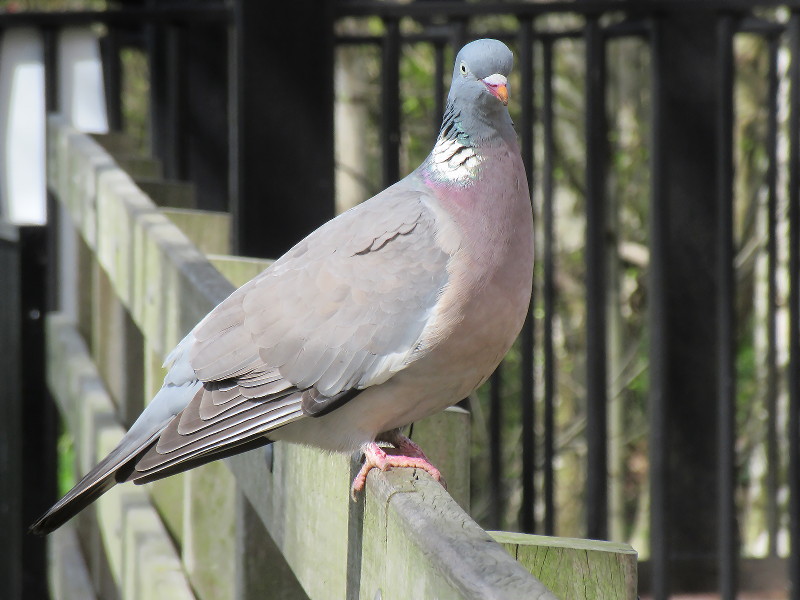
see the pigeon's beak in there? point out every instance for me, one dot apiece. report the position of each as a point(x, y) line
point(498, 86)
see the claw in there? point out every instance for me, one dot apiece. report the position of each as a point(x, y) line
point(409, 455)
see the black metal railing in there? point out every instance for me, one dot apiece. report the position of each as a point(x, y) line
point(27, 418)
point(647, 21)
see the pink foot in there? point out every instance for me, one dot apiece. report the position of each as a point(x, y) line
point(408, 454)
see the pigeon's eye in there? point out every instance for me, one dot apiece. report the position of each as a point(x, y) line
point(463, 68)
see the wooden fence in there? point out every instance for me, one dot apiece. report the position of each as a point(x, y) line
point(137, 268)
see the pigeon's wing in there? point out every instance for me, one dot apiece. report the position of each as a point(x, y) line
point(343, 310)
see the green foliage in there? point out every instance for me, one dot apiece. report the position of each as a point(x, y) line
point(66, 463)
point(135, 97)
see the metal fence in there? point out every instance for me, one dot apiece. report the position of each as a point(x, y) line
point(226, 78)
point(27, 419)
point(694, 537)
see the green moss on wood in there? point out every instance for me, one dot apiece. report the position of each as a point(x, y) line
point(576, 569)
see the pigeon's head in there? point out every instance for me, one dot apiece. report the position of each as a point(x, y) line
point(480, 74)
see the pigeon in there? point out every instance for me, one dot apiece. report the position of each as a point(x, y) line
point(388, 313)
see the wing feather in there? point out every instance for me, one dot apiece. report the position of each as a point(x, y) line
point(172, 438)
point(155, 465)
point(345, 307)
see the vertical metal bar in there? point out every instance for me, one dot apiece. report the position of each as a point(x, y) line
point(205, 114)
point(773, 458)
point(50, 52)
point(158, 121)
point(459, 33)
point(12, 501)
point(794, 308)
point(726, 370)
point(236, 124)
point(268, 226)
point(548, 288)
point(527, 509)
point(112, 75)
point(390, 102)
point(496, 496)
point(52, 277)
point(684, 248)
point(439, 89)
point(27, 417)
point(596, 384)
point(657, 321)
point(175, 157)
point(39, 415)
point(525, 67)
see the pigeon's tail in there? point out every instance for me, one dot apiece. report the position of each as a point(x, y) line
point(119, 467)
point(119, 464)
point(111, 470)
point(154, 447)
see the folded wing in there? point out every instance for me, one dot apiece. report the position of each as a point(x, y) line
point(343, 310)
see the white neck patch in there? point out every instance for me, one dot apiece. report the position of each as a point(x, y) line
point(452, 160)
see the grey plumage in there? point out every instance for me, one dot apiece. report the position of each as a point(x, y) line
point(391, 312)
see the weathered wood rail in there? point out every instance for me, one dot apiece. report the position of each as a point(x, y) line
point(133, 277)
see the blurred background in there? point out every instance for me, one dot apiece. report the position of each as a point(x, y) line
point(653, 395)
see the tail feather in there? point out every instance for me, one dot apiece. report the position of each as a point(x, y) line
point(93, 485)
point(119, 464)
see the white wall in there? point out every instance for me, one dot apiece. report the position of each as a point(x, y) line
point(22, 127)
point(81, 100)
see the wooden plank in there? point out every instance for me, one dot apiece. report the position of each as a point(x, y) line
point(167, 494)
point(209, 231)
point(151, 570)
point(447, 445)
point(420, 544)
point(167, 192)
point(169, 497)
point(576, 569)
point(133, 541)
point(117, 347)
point(85, 282)
point(208, 558)
point(84, 159)
point(208, 548)
point(69, 577)
point(237, 269)
point(67, 270)
point(261, 569)
point(159, 275)
point(417, 542)
point(140, 166)
point(117, 142)
point(304, 504)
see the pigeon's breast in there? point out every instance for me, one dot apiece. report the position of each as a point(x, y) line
point(488, 230)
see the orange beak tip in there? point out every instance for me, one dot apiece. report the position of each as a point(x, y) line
point(498, 90)
point(501, 91)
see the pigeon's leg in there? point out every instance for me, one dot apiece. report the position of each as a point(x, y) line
point(404, 444)
point(409, 455)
